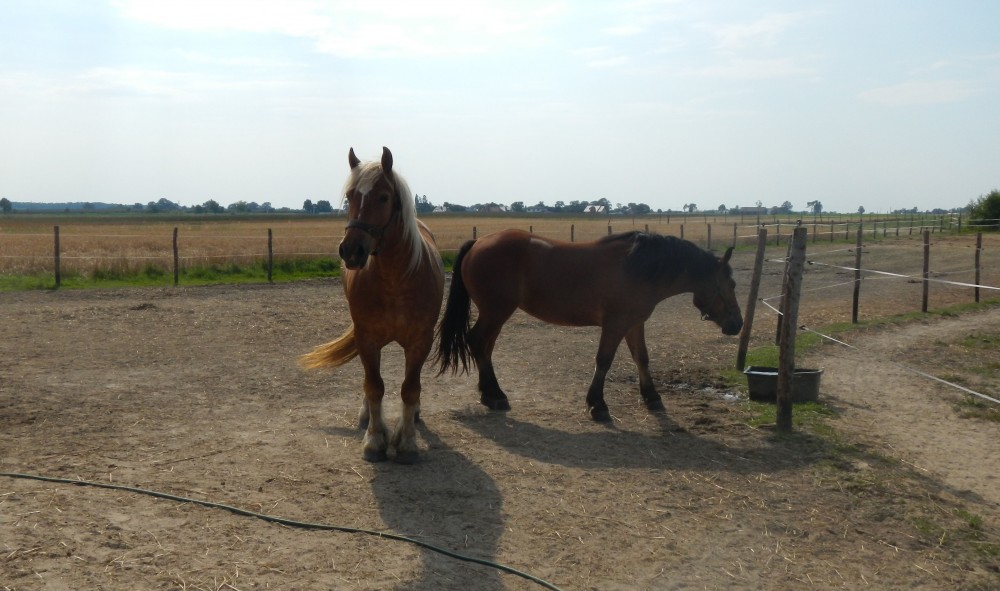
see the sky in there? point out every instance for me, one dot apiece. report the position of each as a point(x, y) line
point(880, 104)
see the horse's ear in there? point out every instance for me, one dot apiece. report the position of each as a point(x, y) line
point(725, 257)
point(386, 162)
point(352, 159)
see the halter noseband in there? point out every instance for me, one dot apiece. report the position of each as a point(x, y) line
point(372, 230)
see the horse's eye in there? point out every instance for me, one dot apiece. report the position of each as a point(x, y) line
point(383, 198)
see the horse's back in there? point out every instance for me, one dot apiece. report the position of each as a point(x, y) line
point(557, 281)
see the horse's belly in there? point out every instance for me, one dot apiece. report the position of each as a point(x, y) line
point(563, 313)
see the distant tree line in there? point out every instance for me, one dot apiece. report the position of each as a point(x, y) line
point(984, 206)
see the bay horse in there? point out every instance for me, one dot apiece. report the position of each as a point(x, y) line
point(394, 283)
point(615, 283)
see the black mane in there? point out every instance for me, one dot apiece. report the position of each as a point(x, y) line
point(654, 256)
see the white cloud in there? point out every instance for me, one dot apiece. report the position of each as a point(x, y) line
point(301, 18)
point(610, 62)
point(754, 69)
point(763, 32)
point(625, 30)
point(919, 92)
point(371, 28)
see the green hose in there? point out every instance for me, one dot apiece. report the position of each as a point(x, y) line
point(289, 522)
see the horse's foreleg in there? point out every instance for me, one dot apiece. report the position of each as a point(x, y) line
point(636, 340)
point(482, 339)
point(610, 339)
point(376, 440)
point(404, 439)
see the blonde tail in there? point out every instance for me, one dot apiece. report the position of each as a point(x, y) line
point(332, 354)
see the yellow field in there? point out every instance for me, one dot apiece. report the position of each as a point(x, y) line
point(127, 244)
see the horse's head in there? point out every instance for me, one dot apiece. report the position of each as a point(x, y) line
point(373, 204)
point(715, 297)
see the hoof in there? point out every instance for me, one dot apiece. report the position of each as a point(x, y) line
point(600, 415)
point(375, 456)
point(406, 458)
point(495, 403)
point(655, 404)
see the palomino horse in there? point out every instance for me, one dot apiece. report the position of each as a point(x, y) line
point(614, 283)
point(394, 282)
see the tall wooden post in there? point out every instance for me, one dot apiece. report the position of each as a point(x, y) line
point(758, 267)
point(270, 254)
point(176, 259)
point(979, 248)
point(927, 268)
point(58, 271)
point(789, 325)
point(857, 278)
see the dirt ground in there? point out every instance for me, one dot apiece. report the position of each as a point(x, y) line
point(195, 392)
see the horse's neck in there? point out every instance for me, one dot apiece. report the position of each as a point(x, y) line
point(395, 255)
point(671, 286)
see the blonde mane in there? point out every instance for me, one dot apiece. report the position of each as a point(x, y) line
point(363, 177)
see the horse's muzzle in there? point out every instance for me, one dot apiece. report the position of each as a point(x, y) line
point(732, 327)
point(354, 253)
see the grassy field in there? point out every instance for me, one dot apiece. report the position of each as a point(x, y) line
point(132, 249)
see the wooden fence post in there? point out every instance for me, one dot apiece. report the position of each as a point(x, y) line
point(270, 254)
point(58, 271)
point(979, 248)
point(474, 232)
point(857, 278)
point(176, 259)
point(758, 266)
point(784, 289)
point(927, 267)
point(734, 234)
point(789, 325)
point(572, 232)
point(609, 229)
point(709, 227)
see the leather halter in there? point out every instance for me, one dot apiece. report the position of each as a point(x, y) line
point(372, 230)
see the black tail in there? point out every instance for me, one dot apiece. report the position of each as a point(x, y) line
point(452, 333)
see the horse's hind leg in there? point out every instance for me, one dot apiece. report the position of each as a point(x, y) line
point(610, 339)
point(404, 439)
point(376, 440)
point(482, 339)
point(636, 340)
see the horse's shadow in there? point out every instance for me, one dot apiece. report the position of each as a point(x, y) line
point(447, 501)
point(669, 447)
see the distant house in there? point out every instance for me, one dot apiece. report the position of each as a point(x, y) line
point(595, 209)
point(753, 211)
